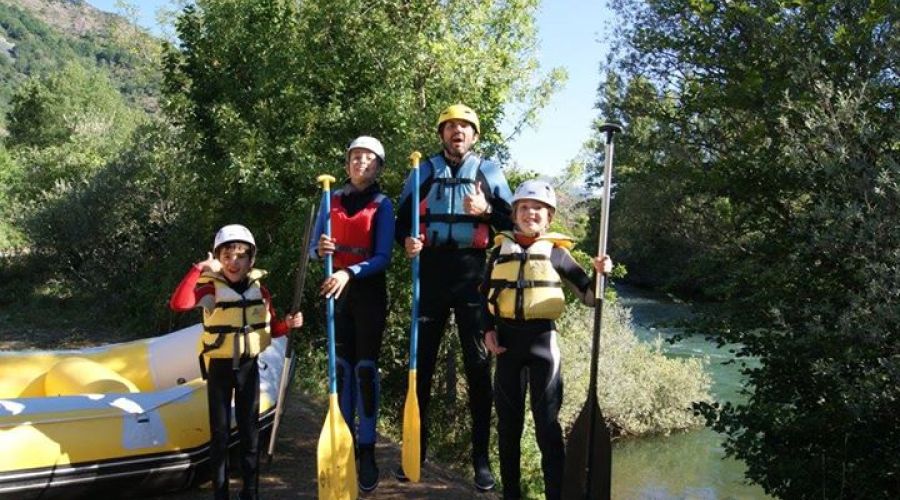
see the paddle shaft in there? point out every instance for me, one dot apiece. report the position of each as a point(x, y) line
point(299, 283)
point(300, 280)
point(414, 230)
point(599, 290)
point(329, 304)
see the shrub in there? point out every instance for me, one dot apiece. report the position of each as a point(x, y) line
point(640, 390)
point(109, 235)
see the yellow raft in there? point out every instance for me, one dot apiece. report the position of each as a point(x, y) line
point(126, 418)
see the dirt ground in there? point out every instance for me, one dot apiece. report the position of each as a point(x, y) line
point(292, 473)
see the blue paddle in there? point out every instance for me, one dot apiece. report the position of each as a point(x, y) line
point(336, 460)
point(411, 451)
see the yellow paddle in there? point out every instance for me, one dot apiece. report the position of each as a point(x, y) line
point(336, 461)
point(411, 453)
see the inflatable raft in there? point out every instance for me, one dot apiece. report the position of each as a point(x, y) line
point(113, 421)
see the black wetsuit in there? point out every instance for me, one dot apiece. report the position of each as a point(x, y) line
point(450, 278)
point(532, 359)
point(223, 381)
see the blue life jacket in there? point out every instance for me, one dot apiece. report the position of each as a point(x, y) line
point(443, 219)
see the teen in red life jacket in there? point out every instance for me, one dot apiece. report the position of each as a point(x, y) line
point(362, 231)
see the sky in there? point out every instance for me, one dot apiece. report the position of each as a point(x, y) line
point(569, 33)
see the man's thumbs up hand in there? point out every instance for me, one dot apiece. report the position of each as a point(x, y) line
point(475, 203)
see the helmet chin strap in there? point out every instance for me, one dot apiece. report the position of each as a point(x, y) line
point(526, 233)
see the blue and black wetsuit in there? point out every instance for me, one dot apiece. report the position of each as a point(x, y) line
point(361, 310)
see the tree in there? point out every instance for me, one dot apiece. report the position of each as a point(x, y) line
point(760, 170)
point(36, 48)
point(66, 125)
point(50, 109)
point(10, 236)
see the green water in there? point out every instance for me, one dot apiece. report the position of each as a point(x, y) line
point(688, 465)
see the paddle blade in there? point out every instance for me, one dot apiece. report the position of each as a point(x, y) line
point(336, 461)
point(578, 473)
point(411, 453)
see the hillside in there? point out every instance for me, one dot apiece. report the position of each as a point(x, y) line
point(39, 36)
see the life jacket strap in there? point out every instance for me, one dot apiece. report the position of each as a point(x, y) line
point(451, 218)
point(365, 252)
point(453, 181)
point(244, 303)
point(501, 284)
point(228, 329)
point(520, 257)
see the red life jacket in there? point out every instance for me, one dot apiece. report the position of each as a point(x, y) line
point(353, 235)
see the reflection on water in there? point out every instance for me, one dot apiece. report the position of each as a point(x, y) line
point(689, 465)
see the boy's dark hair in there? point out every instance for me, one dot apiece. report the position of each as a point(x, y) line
point(235, 245)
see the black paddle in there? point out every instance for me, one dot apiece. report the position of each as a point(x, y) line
point(287, 371)
point(588, 469)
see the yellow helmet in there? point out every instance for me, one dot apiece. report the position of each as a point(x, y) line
point(459, 112)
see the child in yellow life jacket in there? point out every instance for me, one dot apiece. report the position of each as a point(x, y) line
point(238, 324)
point(523, 287)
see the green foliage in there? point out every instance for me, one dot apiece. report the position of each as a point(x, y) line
point(643, 392)
point(51, 109)
point(65, 126)
point(760, 169)
point(116, 234)
point(828, 309)
point(270, 92)
point(10, 173)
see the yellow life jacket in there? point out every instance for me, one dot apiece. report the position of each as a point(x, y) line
point(523, 283)
point(239, 324)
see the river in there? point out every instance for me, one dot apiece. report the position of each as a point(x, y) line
point(690, 465)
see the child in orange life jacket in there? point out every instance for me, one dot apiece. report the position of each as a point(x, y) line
point(362, 232)
point(523, 286)
point(238, 323)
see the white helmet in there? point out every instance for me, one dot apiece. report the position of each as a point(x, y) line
point(233, 232)
point(536, 190)
point(367, 142)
